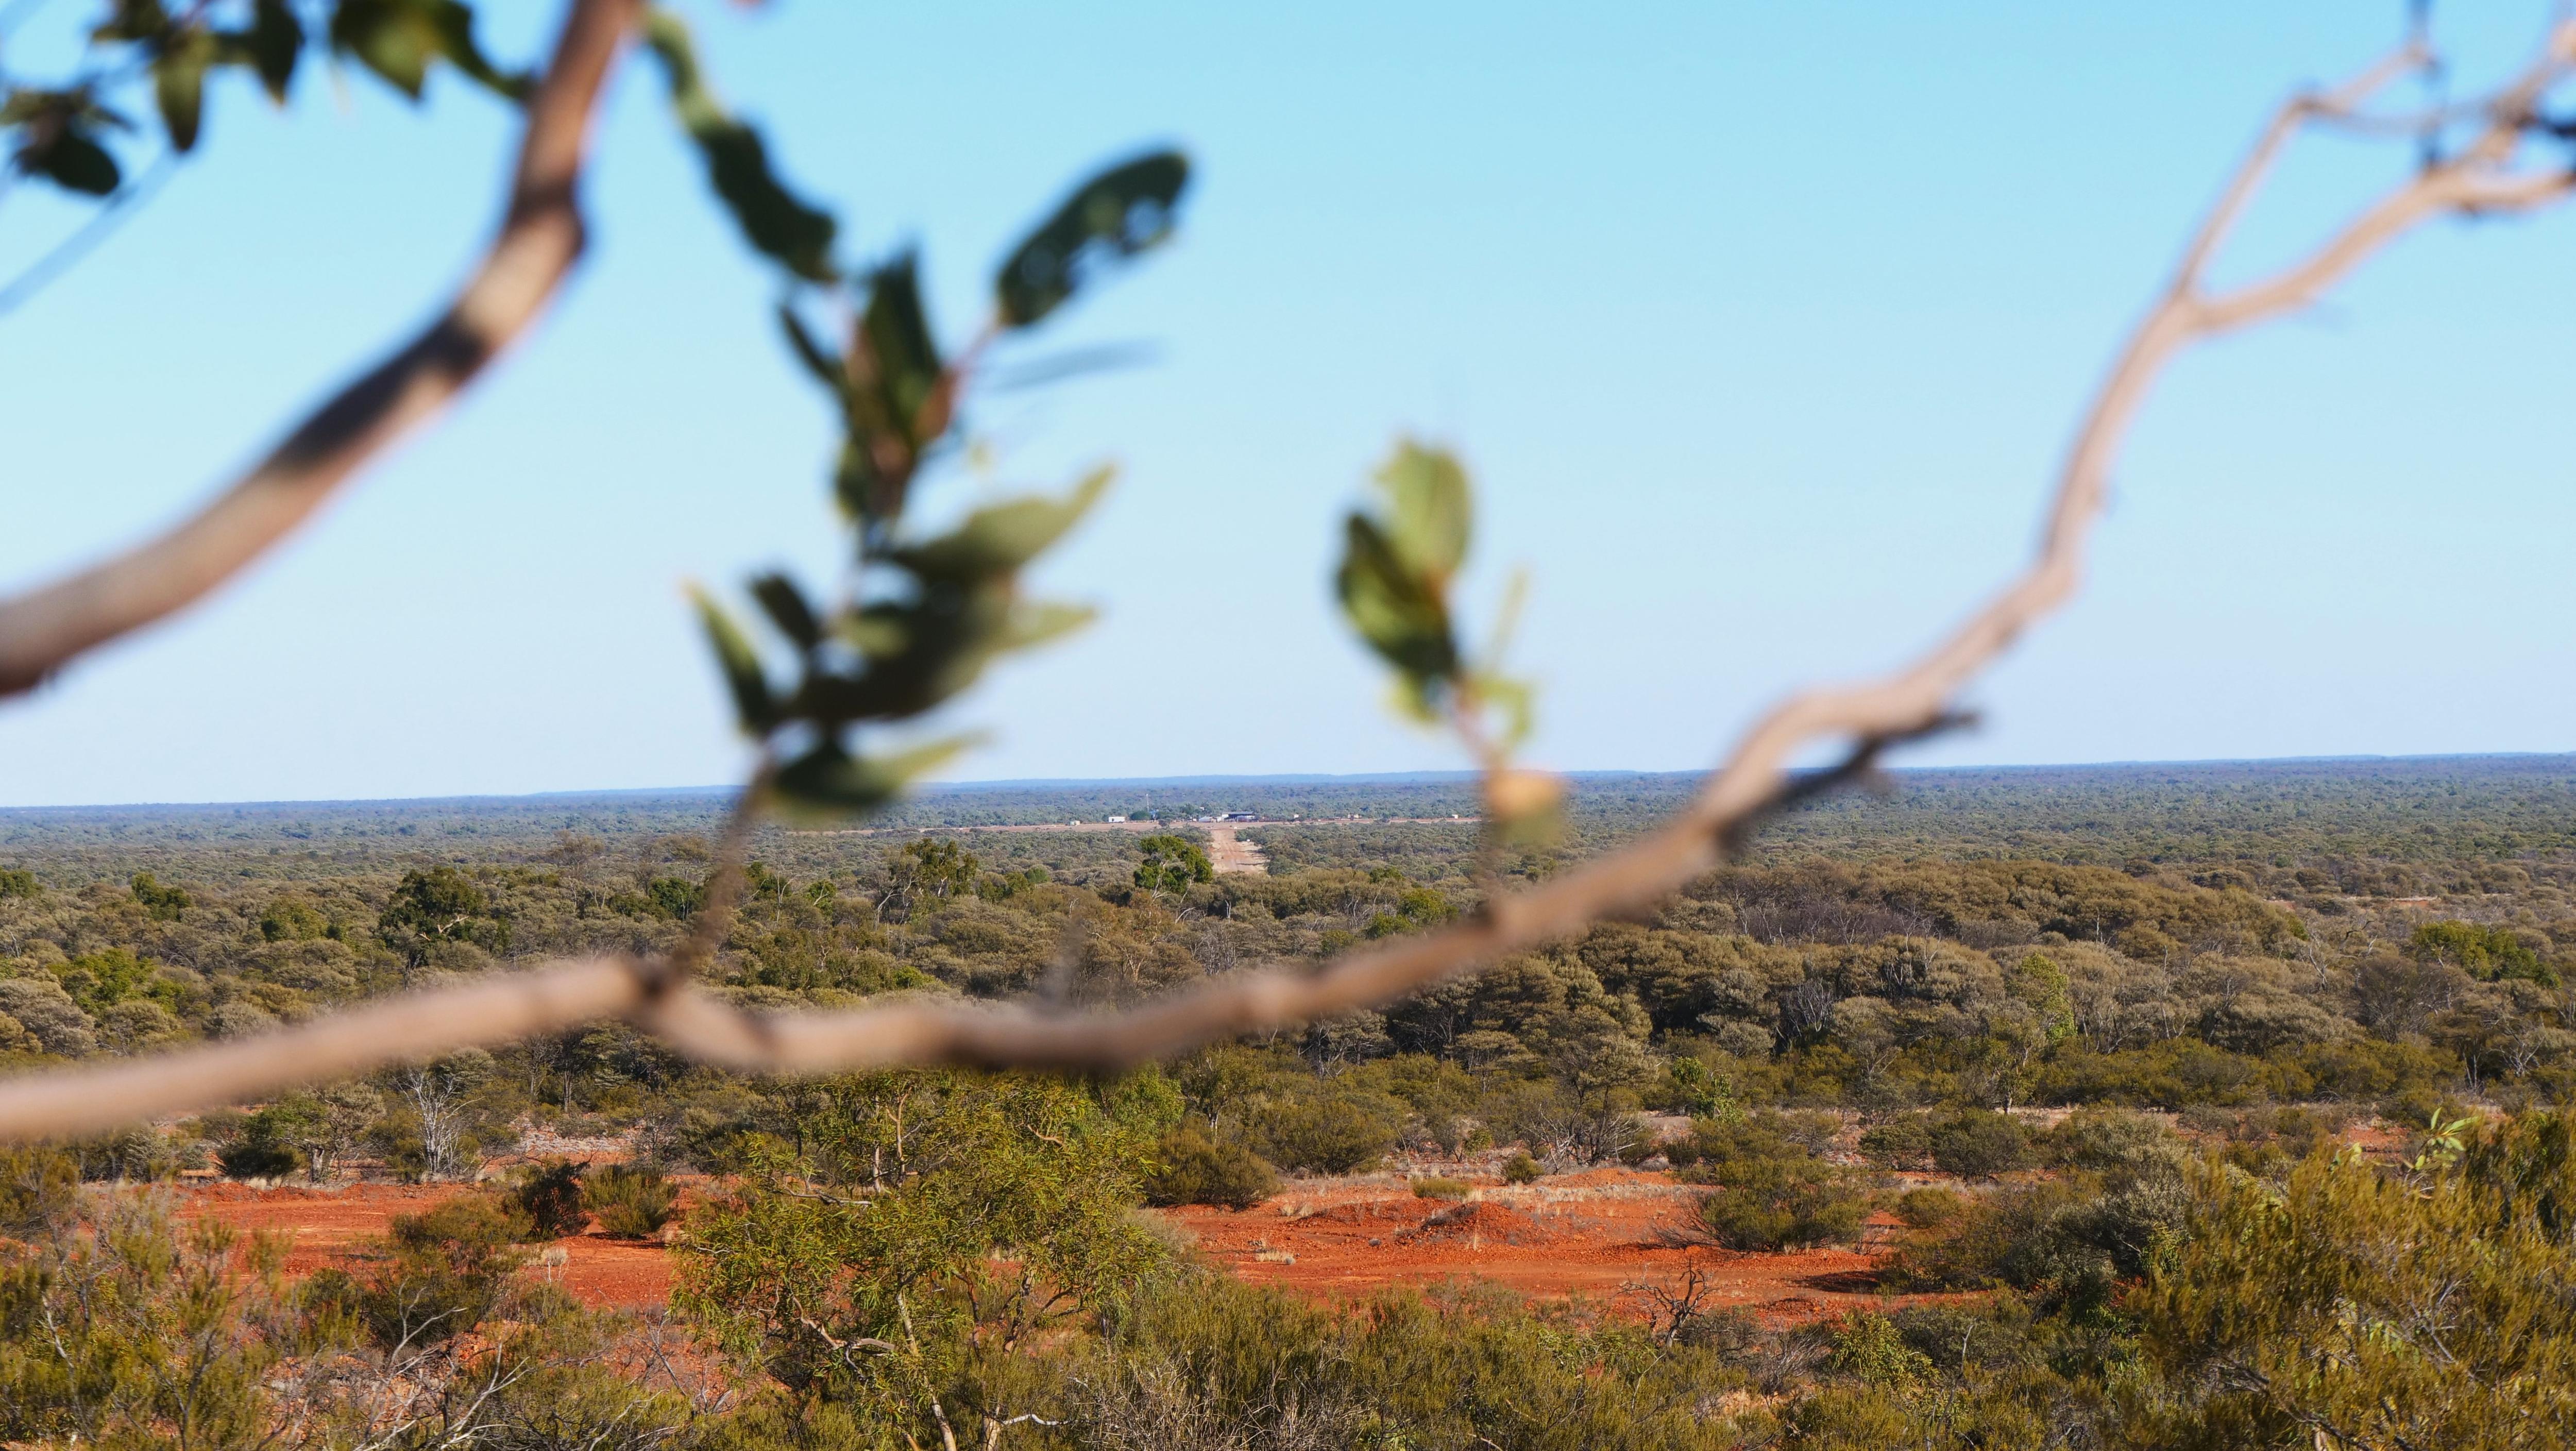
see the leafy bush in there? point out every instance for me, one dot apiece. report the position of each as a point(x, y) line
point(439, 1274)
point(1192, 1166)
point(257, 1155)
point(632, 1201)
point(1520, 1168)
point(551, 1196)
point(1324, 1134)
point(1977, 1143)
point(1929, 1208)
point(38, 1188)
point(1435, 1186)
point(1870, 1349)
point(1781, 1203)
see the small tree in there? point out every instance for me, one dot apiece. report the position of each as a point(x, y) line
point(1172, 863)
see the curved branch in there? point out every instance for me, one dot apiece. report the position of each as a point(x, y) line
point(540, 238)
point(1752, 784)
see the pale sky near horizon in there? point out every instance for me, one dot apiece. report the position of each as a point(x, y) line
point(1761, 328)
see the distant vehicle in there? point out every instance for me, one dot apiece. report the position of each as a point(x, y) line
point(1117, 820)
point(1240, 816)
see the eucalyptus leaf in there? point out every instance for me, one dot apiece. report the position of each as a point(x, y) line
point(1428, 510)
point(774, 221)
point(1115, 215)
point(398, 39)
point(829, 780)
point(179, 87)
point(900, 355)
point(270, 47)
point(786, 607)
point(1003, 537)
point(818, 360)
point(1396, 612)
point(754, 706)
point(74, 161)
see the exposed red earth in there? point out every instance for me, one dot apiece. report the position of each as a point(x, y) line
point(1591, 1234)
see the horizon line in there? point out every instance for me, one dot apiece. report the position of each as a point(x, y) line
point(1285, 778)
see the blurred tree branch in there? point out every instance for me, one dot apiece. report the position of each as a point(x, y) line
point(2486, 173)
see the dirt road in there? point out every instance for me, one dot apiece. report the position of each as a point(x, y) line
point(1231, 855)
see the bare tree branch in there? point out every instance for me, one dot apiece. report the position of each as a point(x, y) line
point(1753, 783)
point(540, 238)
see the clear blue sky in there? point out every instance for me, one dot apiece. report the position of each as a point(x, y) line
point(1761, 327)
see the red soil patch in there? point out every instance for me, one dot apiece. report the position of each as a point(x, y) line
point(1592, 1234)
point(326, 1226)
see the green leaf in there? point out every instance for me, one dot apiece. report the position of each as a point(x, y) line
point(397, 39)
point(787, 609)
point(818, 360)
point(1397, 613)
point(828, 780)
point(774, 220)
point(899, 353)
point(136, 21)
point(1003, 537)
point(1427, 510)
point(270, 47)
point(179, 87)
point(1038, 624)
point(1113, 216)
point(754, 706)
point(73, 161)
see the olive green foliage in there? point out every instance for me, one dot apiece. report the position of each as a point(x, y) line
point(2489, 953)
point(166, 903)
point(631, 1201)
point(439, 1274)
point(1172, 864)
point(1192, 1165)
point(1210, 1362)
point(921, 617)
point(122, 1330)
point(923, 1233)
point(2370, 1308)
point(552, 1197)
point(1438, 1186)
point(1520, 1168)
point(39, 1185)
point(1784, 1202)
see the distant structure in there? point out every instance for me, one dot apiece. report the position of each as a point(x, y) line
point(1118, 821)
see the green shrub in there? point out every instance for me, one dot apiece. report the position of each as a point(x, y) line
point(1781, 1203)
point(257, 1156)
point(1193, 1167)
point(1870, 1349)
point(632, 1201)
point(550, 1195)
point(1326, 1135)
point(439, 1275)
point(1929, 1208)
point(1902, 1142)
point(1520, 1168)
point(1977, 1143)
point(1434, 1186)
point(38, 1188)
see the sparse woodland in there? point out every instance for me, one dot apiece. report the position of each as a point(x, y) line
point(2232, 1101)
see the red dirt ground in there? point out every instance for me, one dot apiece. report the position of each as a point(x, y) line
point(1591, 1234)
point(327, 1223)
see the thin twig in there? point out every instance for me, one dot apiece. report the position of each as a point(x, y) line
point(540, 238)
point(1753, 784)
